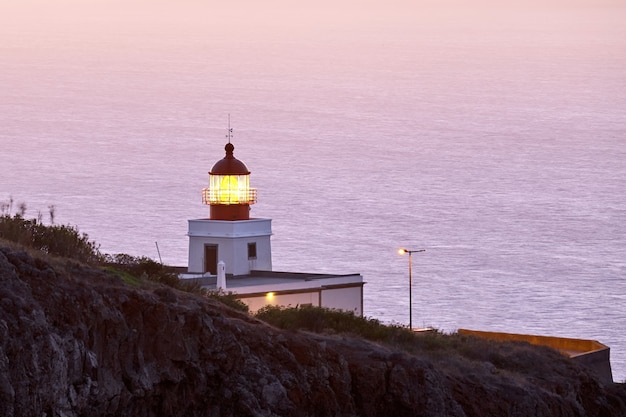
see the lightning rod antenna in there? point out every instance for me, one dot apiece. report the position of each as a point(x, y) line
point(230, 130)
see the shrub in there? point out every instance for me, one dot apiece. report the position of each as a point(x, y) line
point(135, 269)
point(67, 242)
point(432, 343)
point(228, 298)
point(125, 276)
point(59, 240)
point(144, 268)
point(135, 265)
point(323, 320)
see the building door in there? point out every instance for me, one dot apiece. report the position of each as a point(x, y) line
point(210, 259)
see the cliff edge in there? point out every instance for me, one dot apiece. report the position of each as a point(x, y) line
point(77, 341)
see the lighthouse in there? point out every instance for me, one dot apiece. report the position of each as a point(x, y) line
point(231, 250)
point(229, 235)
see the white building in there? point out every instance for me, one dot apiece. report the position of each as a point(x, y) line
point(232, 251)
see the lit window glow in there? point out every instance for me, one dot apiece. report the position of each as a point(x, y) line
point(229, 189)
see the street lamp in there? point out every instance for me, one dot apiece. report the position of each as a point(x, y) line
point(402, 251)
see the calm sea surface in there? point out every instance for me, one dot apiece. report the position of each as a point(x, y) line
point(499, 150)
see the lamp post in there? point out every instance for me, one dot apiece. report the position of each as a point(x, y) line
point(402, 251)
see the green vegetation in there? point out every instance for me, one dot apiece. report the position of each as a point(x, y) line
point(125, 276)
point(229, 298)
point(323, 320)
point(134, 270)
point(454, 350)
point(67, 242)
point(57, 240)
point(141, 268)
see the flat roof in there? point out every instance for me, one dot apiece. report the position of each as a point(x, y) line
point(274, 281)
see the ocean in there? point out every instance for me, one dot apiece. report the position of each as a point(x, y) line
point(499, 148)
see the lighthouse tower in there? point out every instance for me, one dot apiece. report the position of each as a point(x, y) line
point(229, 235)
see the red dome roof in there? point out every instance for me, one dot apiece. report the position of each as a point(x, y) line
point(229, 165)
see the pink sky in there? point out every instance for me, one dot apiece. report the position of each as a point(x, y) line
point(285, 17)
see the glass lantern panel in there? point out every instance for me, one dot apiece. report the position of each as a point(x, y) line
point(229, 189)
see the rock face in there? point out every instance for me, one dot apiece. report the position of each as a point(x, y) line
point(76, 341)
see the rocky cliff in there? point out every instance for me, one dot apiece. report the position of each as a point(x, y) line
point(77, 341)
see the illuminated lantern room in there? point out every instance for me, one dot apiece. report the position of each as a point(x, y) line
point(229, 193)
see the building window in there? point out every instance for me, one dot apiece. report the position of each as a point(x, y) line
point(252, 250)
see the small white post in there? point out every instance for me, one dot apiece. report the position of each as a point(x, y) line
point(221, 276)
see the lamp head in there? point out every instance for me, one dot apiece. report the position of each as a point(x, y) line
point(402, 251)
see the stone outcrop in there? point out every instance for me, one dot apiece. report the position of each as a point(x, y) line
point(76, 341)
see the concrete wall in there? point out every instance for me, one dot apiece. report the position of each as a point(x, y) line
point(590, 353)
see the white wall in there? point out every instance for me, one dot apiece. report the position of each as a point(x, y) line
point(232, 239)
point(286, 300)
point(347, 299)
